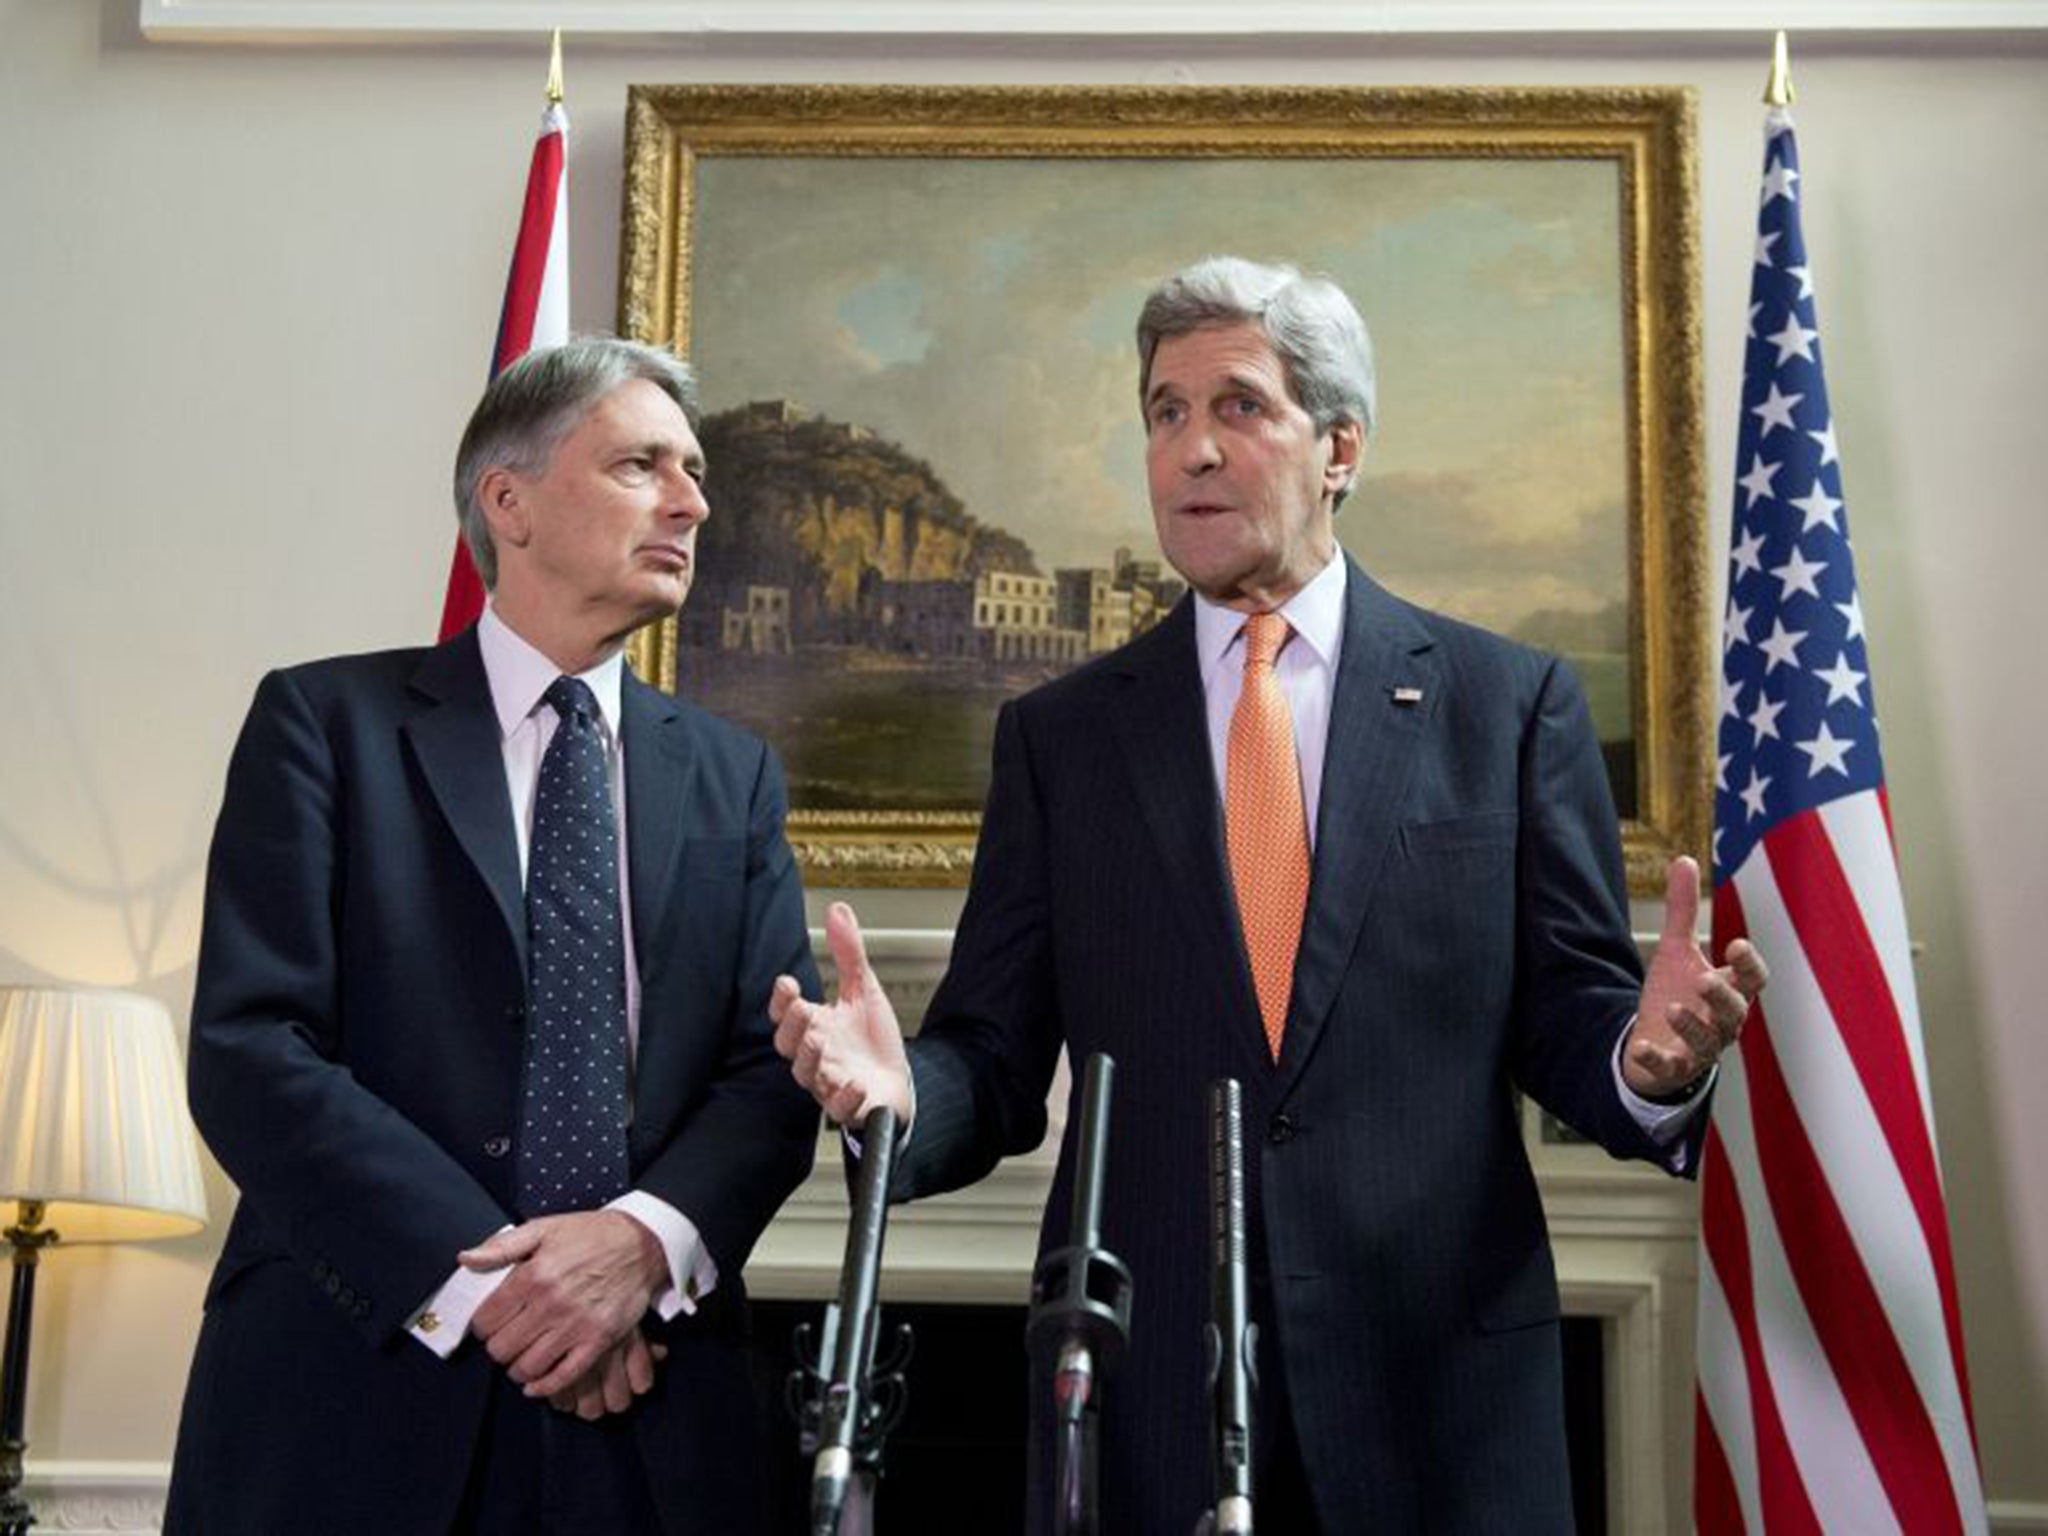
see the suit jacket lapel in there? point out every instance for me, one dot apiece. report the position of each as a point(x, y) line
point(659, 762)
point(457, 743)
point(1162, 726)
point(1373, 747)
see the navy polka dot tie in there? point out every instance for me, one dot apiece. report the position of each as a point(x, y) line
point(572, 1127)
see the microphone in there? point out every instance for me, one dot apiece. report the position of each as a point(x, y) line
point(847, 1390)
point(1081, 1309)
point(1232, 1336)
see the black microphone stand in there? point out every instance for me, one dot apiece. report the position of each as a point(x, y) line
point(843, 1418)
point(1232, 1336)
point(1081, 1314)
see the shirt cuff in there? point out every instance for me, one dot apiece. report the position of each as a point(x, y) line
point(1662, 1123)
point(443, 1322)
point(692, 1273)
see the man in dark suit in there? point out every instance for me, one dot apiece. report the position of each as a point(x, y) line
point(1362, 858)
point(481, 1033)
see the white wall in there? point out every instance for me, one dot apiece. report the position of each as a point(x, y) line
point(245, 300)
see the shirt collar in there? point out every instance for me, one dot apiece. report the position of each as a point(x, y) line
point(519, 675)
point(1315, 614)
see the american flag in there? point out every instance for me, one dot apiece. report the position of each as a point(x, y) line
point(536, 308)
point(1832, 1389)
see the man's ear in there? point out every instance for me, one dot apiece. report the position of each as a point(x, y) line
point(499, 493)
point(1347, 453)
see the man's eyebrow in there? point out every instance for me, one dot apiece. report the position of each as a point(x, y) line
point(1245, 384)
point(661, 448)
point(1230, 384)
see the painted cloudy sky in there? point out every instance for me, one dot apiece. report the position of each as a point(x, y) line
point(979, 313)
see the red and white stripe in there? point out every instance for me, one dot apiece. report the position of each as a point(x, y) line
point(1833, 1394)
point(535, 314)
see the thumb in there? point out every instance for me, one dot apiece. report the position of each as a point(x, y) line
point(501, 1249)
point(849, 951)
point(1682, 902)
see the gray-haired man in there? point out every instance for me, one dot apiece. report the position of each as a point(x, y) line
point(1357, 855)
point(481, 1032)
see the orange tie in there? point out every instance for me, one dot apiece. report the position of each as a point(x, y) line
point(1265, 825)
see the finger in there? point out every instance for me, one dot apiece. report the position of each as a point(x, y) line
point(1747, 968)
point(795, 1027)
point(846, 1105)
point(496, 1310)
point(570, 1401)
point(618, 1391)
point(1726, 1006)
point(659, 1351)
point(1661, 1065)
point(582, 1399)
point(784, 993)
point(849, 950)
point(640, 1364)
point(505, 1248)
point(1681, 901)
point(562, 1374)
point(804, 1064)
point(1701, 1035)
point(1717, 989)
point(507, 1338)
point(533, 1361)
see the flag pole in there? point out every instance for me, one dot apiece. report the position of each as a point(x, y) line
point(555, 67)
point(1778, 93)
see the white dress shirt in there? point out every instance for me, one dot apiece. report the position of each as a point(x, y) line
point(1306, 670)
point(519, 675)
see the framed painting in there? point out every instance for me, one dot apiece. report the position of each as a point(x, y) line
point(912, 312)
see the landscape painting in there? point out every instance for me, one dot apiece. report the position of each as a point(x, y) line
point(927, 474)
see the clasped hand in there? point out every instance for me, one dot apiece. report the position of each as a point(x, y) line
point(565, 1324)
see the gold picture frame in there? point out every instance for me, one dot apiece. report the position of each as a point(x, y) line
point(1628, 270)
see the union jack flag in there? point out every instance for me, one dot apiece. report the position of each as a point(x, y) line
point(535, 313)
point(1832, 1389)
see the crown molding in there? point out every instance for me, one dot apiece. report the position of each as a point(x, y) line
point(419, 20)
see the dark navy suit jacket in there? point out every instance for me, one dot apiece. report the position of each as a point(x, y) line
point(1467, 936)
point(355, 1066)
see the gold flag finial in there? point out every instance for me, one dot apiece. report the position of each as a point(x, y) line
point(555, 68)
point(1779, 92)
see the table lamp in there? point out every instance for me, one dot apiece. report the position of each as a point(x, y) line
point(95, 1147)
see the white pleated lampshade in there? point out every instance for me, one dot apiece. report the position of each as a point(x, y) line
point(92, 1116)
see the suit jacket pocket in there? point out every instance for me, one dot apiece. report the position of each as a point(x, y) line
point(231, 1268)
point(1483, 831)
point(1514, 1287)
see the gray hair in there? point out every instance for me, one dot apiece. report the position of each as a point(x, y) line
point(536, 402)
point(1310, 322)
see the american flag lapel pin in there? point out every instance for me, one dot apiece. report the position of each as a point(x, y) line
point(1407, 695)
